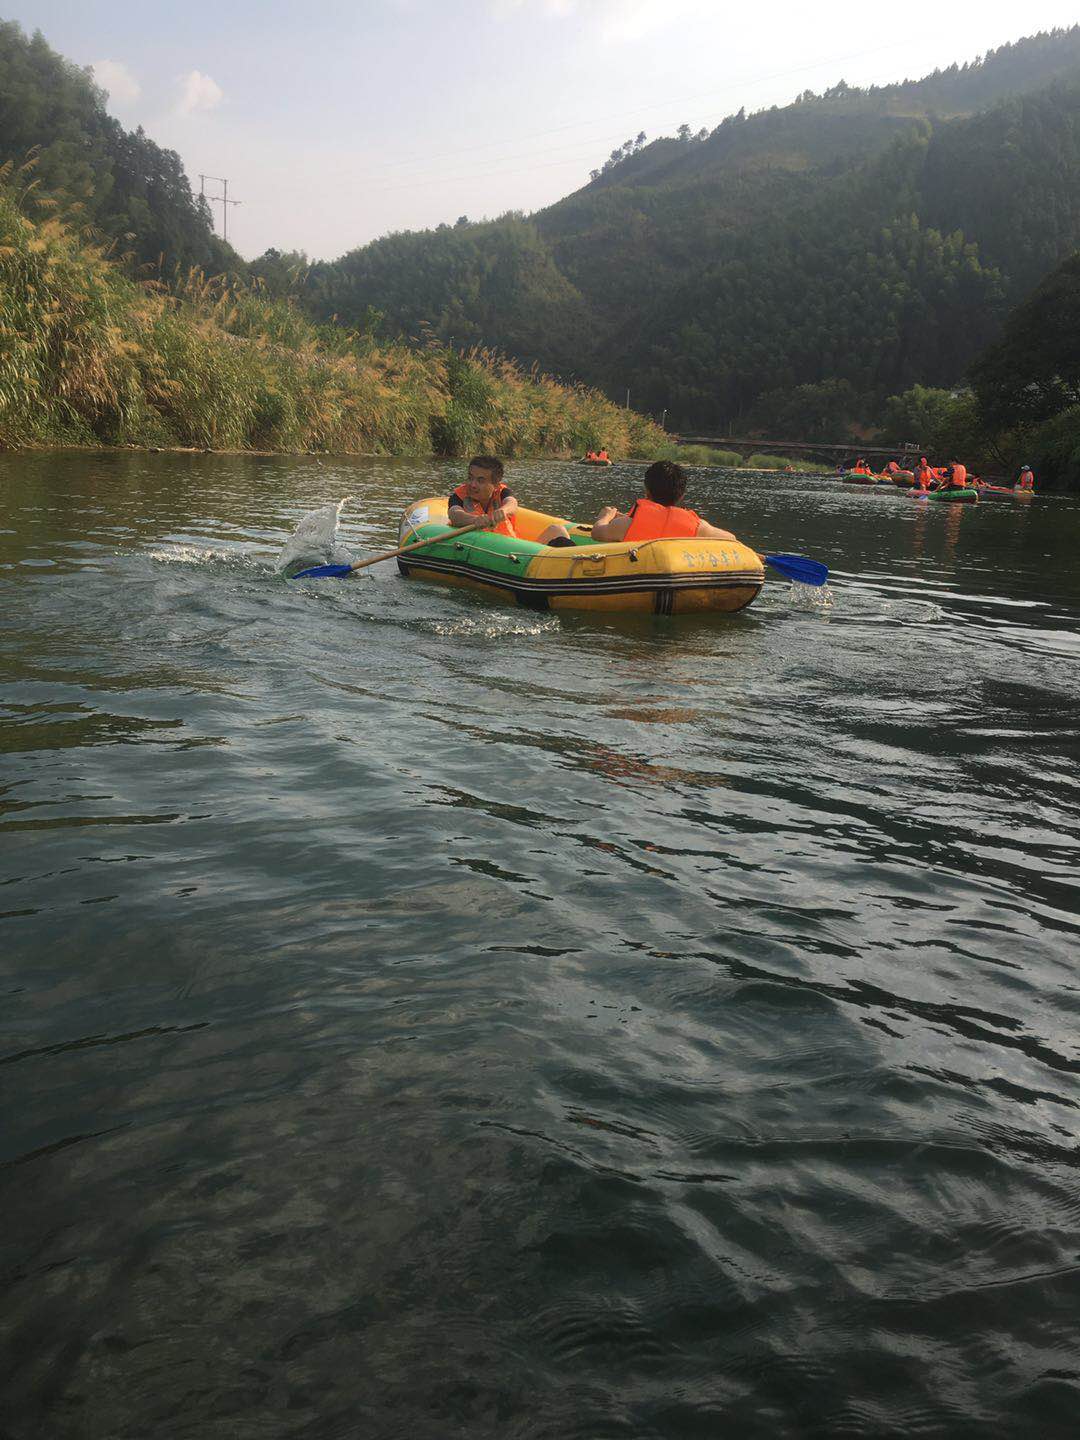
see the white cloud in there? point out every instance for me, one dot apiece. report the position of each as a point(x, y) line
point(198, 92)
point(616, 20)
point(506, 9)
point(636, 19)
point(118, 80)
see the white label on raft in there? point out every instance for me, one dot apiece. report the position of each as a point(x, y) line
point(418, 516)
point(702, 560)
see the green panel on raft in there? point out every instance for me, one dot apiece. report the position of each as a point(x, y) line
point(485, 550)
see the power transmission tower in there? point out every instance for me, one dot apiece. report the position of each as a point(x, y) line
point(222, 200)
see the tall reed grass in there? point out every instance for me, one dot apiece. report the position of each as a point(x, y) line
point(88, 356)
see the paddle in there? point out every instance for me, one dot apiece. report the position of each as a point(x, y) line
point(798, 567)
point(337, 572)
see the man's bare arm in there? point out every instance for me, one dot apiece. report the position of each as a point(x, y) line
point(705, 531)
point(610, 526)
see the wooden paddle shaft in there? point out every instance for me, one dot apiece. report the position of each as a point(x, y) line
point(419, 544)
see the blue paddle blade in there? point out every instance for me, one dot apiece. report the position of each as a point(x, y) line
point(798, 567)
point(318, 571)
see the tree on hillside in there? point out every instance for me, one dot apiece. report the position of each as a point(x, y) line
point(808, 412)
point(130, 190)
point(945, 422)
point(281, 272)
point(1033, 372)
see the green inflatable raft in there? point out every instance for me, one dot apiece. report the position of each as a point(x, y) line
point(965, 496)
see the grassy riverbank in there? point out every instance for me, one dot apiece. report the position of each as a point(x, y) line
point(89, 357)
point(733, 459)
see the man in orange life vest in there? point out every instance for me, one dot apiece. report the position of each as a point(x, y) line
point(1025, 480)
point(485, 498)
point(956, 476)
point(660, 517)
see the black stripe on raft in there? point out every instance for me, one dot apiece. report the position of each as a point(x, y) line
point(616, 585)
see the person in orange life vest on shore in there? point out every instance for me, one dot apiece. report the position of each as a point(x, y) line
point(483, 496)
point(660, 516)
point(1025, 480)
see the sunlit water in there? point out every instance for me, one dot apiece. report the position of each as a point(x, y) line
point(427, 1018)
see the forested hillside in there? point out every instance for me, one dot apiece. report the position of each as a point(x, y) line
point(131, 191)
point(469, 283)
point(876, 237)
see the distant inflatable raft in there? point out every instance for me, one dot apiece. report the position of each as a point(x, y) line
point(660, 577)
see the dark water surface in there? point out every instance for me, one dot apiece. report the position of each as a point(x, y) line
point(429, 1019)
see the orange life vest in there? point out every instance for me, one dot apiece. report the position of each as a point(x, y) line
point(1026, 481)
point(504, 527)
point(650, 521)
point(957, 476)
point(603, 455)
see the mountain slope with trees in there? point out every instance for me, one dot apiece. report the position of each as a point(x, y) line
point(876, 237)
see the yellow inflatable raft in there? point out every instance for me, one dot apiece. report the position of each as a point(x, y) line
point(661, 577)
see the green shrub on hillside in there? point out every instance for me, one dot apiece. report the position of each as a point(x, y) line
point(705, 455)
point(777, 462)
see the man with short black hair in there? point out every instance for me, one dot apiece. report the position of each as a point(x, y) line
point(484, 500)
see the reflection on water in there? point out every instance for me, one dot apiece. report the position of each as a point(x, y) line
point(428, 1017)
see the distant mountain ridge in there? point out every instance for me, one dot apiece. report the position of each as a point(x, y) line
point(890, 230)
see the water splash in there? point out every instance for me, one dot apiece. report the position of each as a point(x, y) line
point(810, 597)
point(491, 627)
point(314, 541)
point(180, 554)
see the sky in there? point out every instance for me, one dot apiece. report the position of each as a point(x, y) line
point(337, 121)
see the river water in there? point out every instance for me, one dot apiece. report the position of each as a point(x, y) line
point(426, 1018)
